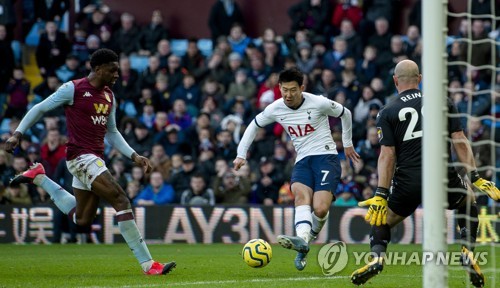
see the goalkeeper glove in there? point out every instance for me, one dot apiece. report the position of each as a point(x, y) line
point(377, 211)
point(488, 188)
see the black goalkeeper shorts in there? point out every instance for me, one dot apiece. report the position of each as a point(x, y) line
point(406, 193)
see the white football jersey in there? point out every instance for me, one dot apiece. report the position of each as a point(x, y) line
point(307, 126)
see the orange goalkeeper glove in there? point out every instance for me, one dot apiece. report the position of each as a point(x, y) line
point(377, 210)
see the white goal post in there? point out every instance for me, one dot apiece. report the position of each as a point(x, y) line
point(434, 30)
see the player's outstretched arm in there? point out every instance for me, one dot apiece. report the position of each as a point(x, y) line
point(466, 157)
point(62, 96)
point(244, 144)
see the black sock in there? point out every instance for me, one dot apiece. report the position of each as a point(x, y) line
point(380, 236)
point(468, 223)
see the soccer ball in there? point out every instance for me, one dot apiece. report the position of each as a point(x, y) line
point(257, 253)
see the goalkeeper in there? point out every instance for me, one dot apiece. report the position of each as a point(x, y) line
point(399, 126)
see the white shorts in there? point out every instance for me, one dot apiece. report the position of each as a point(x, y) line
point(85, 168)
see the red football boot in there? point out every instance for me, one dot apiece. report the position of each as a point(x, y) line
point(160, 269)
point(28, 175)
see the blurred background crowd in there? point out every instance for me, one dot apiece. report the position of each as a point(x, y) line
point(185, 103)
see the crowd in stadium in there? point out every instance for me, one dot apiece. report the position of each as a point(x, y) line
point(186, 109)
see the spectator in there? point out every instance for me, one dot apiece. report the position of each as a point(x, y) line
point(18, 195)
point(160, 122)
point(50, 10)
point(193, 132)
point(381, 39)
point(174, 71)
point(6, 170)
point(210, 107)
point(170, 139)
point(312, 15)
point(151, 34)
point(262, 146)
point(160, 161)
point(225, 146)
point(156, 193)
point(362, 109)
point(326, 85)
point(223, 14)
point(481, 50)
point(148, 77)
point(411, 39)
point(70, 70)
point(272, 56)
point(143, 140)
point(369, 149)
point(366, 67)
point(237, 39)
point(4, 200)
point(18, 91)
point(53, 150)
point(190, 92)
point(305, 59)
point(179, 115)
point(126, 37)
point(346, 10)
point(334, 58)
point(269, 183)
point(43, 90)
point(133, 189)
point(180, 181)
point(52, 50)
point(230, 189)
point(7, 64)
point(242, 88)
point(198, 193)
point(126, 89)
point(163, 52)
point(118, 171)
point(193, 61)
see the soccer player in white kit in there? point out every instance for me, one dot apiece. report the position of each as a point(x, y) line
point(316, 174)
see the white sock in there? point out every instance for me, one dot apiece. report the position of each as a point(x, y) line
point(317, 224)
point(64, 200)
point(133, 237)
point(303, 221)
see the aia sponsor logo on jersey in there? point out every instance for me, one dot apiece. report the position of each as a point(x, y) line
point(299, 131)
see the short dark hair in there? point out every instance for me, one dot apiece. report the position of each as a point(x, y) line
point(102, 56)
point(290, 75)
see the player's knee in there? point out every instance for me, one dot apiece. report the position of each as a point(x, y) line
point(301, 199)
point(321, 210)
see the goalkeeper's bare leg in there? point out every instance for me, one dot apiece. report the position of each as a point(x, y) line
point(380, 236)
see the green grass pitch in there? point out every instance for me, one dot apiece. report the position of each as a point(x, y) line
point(199, 265)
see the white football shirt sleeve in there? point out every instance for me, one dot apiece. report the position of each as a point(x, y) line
point(335, 109)
point(114, 137)
point(62, 96)
point(262, 119)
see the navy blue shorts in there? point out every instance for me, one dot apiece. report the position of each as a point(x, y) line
point(318, 172)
